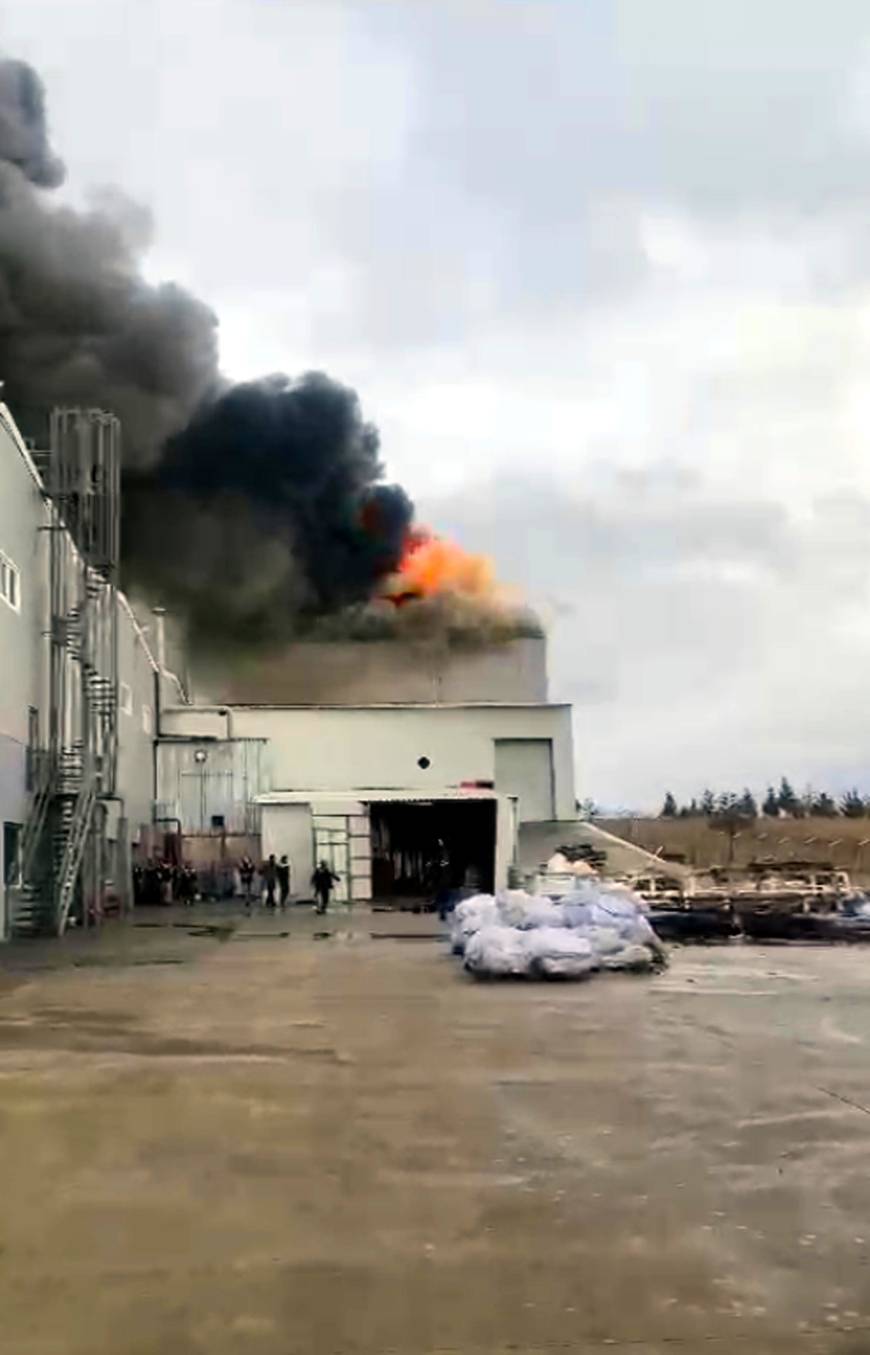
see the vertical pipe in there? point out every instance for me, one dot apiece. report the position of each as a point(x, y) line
point(160, 636)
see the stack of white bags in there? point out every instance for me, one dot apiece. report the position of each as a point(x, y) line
point(594, 927)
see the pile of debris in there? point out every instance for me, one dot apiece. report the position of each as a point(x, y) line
point(595, 927)
point(578, 854)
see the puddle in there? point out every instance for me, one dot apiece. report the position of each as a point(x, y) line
point(405, 936)
point(260, 936)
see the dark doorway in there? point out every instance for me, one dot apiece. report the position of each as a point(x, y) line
point(420, 848)
point(11, 853)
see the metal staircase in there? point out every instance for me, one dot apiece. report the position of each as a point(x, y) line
point(70, 838)
point(62, 846)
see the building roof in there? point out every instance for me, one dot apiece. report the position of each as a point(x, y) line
point(11, 427)
point(221, 707)
point(375, 795)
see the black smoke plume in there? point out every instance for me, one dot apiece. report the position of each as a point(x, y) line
point(78, 323)
point(254, 512)
point(266, 512)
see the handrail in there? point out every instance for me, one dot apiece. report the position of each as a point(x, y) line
point(74, 850)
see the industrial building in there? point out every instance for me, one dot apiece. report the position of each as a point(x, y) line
point(80, 685)
point(363, 767)
point(399, 763)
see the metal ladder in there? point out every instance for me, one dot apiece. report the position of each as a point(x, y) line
point(28, 906)
point(74, 835)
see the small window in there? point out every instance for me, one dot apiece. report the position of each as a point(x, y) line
point(147, 720)
point(12, 853)
point(32, 747)
point(10, 590)
point(126, 699)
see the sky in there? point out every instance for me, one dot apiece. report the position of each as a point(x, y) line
point(600, 272)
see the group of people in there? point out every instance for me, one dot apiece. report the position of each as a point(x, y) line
point(164, 881)
point(157, 881)
point(275, 881)
point(276, 878)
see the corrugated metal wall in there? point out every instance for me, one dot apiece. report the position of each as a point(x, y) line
point(201, 782)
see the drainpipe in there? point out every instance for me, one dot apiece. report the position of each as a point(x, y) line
point(159, 614)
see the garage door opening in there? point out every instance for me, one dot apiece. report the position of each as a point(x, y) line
point(420, 847)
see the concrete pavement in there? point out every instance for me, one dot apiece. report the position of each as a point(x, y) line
point(241, 1141)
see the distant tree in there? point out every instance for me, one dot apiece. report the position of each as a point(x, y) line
point(732, 814)
point(587, 809)
point(691, 810)
point(824, 806)
point(771, 804)
point(669, 808)
point(852, 805)
point(708, 804)
point(787, 800)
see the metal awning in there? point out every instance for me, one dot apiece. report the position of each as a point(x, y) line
point(375, 796)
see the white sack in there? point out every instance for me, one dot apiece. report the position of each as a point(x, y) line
point(559, 953)
point(468, 917)
point(497, 951)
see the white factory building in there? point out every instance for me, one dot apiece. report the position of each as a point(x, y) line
point(387, 758)
point(80, 687)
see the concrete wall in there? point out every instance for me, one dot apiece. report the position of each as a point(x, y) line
point(199, 779)
point(25, 513)
point(22, 513)
point(136, 720)
point(370, 672)
point(370, 748)
point(289, 828)
point(524, 767)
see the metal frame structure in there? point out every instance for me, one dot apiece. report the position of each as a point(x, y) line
point(64, 847)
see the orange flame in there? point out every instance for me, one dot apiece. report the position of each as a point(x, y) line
point(432, 566)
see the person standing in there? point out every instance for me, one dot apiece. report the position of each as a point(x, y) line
point(323, 879)
point(284, 872)
point(246, 878)
point(152, 882)
point(269, 875)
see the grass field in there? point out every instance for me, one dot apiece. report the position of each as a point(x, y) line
point(843, 842)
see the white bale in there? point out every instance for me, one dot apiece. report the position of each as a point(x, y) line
point(559, 953)
point(576, 915)
point(540, 913)
point(497, 951)
point(468, 917)
point(513, 905)
point(604, 940)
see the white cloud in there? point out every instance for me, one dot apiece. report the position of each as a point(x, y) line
point(601, 274)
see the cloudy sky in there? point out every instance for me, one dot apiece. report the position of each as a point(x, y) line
point(600, 271)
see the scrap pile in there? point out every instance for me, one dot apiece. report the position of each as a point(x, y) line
point(594, 927)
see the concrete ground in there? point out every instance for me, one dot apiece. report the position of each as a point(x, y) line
point(241, 1141)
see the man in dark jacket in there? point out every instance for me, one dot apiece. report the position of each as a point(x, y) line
point(283, 869)
point(269, 874)
point(247, 870)
point(323, 879)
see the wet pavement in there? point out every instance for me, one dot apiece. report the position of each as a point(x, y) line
point(286, 1134)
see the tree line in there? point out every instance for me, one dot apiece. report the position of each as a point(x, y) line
point(779, 803)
